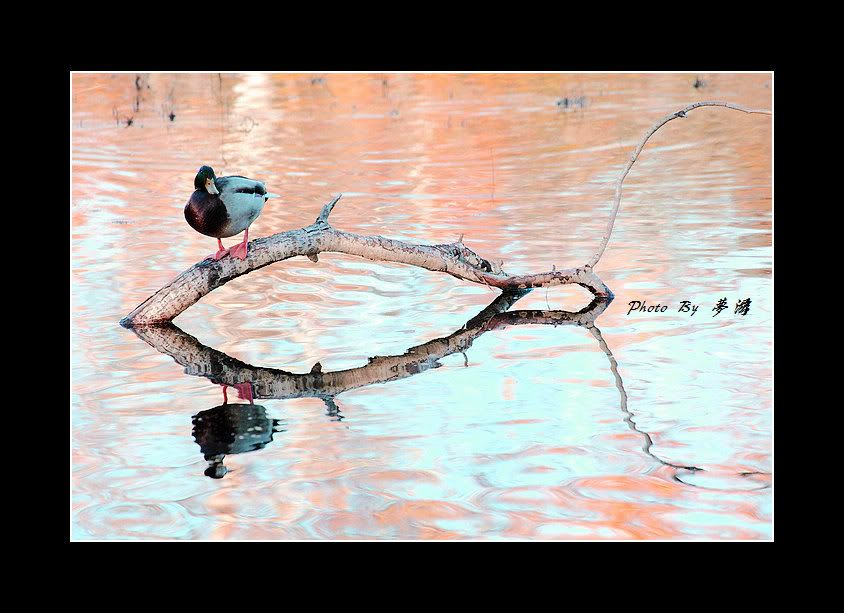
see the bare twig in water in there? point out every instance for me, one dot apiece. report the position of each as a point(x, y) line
point(628, 416)
point(635, 156)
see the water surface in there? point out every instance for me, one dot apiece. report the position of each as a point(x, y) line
point(640, 426)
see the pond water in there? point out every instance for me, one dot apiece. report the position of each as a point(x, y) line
point(647, 425)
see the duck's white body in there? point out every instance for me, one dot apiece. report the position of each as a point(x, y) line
point(244, 200)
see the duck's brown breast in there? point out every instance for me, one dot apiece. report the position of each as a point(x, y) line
point(207, 214)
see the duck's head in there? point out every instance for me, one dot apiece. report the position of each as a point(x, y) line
point(205, 180)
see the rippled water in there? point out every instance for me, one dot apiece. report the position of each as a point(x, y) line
point(627, 426)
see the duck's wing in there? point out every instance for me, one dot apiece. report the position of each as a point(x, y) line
point(236, 184)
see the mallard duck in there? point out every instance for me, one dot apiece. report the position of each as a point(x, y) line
point(224, 207)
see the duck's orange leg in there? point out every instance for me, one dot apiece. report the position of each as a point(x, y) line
point(239, 250)
point(244, 391)
point(222, 251)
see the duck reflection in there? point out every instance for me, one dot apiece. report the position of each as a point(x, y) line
point(270, 383)
point(244, 392)
point(229, 429)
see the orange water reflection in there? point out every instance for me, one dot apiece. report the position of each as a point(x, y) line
point(526, 443)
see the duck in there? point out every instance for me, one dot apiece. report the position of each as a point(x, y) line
point(225, 206)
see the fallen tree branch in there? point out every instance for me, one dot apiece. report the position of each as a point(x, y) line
point(453, 258)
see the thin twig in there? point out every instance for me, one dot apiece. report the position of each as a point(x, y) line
point(635, 156)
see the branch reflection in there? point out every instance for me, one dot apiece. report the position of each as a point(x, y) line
point(239, 428)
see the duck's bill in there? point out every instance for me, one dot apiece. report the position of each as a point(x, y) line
point(269, 195)
point(210, 187)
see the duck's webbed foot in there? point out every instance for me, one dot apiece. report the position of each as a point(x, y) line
point(244, 391)
point(221, 252)
point(239, 251)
